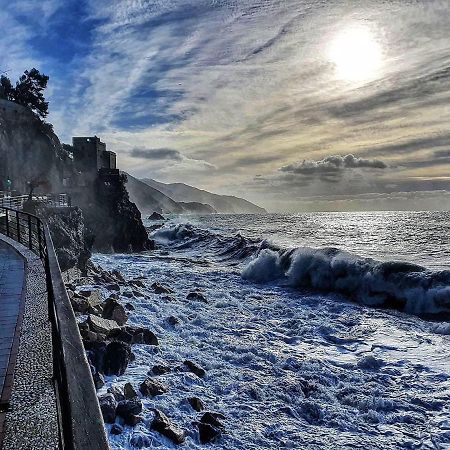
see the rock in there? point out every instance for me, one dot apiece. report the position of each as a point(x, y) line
point(129, 306)
point(79, 304)
point(113, 310)
point(93, 297)
point(118, 276)
point(95, 352)
point(128, 294)
point(160, 369)
point(139, 440)
point(195, 368)
point(97, 377)
point(116, 358)
point(149, 337)
point(212, 418)
point(108, 406)
point(117, 392)
point(160, 289)
point(138, 283)
point(128, 408)
point(164, 426)
point(132, 420)
point(113, 287)
point(172, 320)
point(123, 336)
point(129, 391)
point(116, 429)
point(197, 296)
point(152, 388)
point(207, 433)
point(100, 325)
point(156, 216)
point(196, 403)
point(142, 336)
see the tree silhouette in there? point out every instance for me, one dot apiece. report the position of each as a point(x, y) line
point(6, 88)
point(29, 91)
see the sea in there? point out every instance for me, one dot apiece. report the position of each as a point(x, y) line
point(320, 330)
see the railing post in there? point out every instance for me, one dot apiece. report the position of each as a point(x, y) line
point(18, 226)
point(30, 240)
point(7, 222)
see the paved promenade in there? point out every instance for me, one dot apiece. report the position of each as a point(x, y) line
point(28, 412)
point(12, 281)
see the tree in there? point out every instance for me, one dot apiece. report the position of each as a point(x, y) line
point(6, 88)
point(29, 92)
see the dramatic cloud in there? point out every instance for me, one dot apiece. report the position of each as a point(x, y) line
point(331, 167)
point(156, 153)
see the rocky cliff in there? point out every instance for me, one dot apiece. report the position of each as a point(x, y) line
point(29, 150)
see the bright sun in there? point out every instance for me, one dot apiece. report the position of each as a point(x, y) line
point(356, 54)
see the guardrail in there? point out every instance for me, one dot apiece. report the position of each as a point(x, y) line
point(80, 419)
point(54, 200)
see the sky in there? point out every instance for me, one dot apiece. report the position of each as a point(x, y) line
point(297, 105)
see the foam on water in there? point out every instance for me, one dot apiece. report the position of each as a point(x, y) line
point(288, 367)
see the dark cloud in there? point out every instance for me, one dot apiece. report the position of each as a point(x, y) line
point(330, 168)
point(156, 153)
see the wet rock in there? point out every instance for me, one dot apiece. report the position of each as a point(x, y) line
point(129, 307)
point(156, 216)
point(94, 299)
point(195, 368)
point(207, 433)
point(213, 418)
point(97, 377)
point(113, 310)
point(117, 392)
point(172, 320)
point(197, 296)
point(103, 326)
point(132, 420)
point(95, 352)
point(116, 358)
point(164, 426)
point(118, 276)
point(139, 440)
point(196, 404)
point(113, 287)
point(116, 429)
point(160, 289)
point(138, 283)
point(128, 294)
point(108, 406)
point(129, 391)
point(160, 369)
point(142, 335)
point(137, 293)
point(128, 409)
point(123, 336)
point(152, 388)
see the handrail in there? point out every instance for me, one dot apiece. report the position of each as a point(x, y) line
point(54, 200)
point(80, 419)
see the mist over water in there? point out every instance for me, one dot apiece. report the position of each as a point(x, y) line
point(293, 360)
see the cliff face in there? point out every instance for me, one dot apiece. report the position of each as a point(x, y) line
point(29, 150)
point(114, 221)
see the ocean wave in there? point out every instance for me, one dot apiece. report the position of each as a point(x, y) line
point(397, 285)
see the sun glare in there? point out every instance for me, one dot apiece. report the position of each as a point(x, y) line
point(356, 54)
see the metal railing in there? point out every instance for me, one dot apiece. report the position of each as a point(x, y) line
point(80, 420)
point(53, 200)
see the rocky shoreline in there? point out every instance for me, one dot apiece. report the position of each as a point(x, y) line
point(103, 303)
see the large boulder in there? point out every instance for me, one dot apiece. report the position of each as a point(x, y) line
point(103, 326)
point(195, 368)
point(151, 388)
point(113, 310)
point(108, 406)
point(129, 410)
point(164, 426)
point(156, 216)
point(116, 358)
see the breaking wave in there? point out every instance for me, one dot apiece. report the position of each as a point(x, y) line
point(396, 285)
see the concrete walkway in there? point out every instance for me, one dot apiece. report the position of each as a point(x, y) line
point(12, 280)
